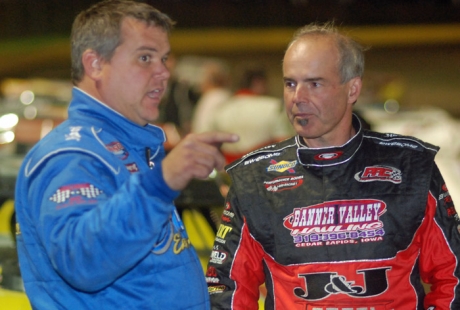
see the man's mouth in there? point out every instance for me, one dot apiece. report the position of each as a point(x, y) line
point(154, 94)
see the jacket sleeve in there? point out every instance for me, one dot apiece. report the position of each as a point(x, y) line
point(440, 247)
point(93, 224)
point(235, 269)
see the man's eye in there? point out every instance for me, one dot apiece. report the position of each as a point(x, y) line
point(145, 58)
point(315, 84)
point(289, 84)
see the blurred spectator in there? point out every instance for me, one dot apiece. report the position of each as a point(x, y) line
point(257, 118)
point(254, 82)
point(178, 102)
point(215, 90)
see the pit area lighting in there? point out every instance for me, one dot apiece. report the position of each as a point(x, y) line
point(27, 97)
point(8, 121)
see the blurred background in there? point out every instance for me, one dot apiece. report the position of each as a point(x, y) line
point(414, 54)
point(411, 82)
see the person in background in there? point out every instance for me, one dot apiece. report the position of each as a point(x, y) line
point(177, 104)
point(215, 89)
point(97, 226)
point(257, 118)
point(254, 82)
point(337, 217)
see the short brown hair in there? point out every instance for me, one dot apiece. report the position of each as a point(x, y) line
point(99, 28)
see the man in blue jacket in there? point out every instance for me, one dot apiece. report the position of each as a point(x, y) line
point(94, 198)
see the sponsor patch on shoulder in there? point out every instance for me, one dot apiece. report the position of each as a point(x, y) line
point(379, 173)
point(261, 157)
point(74, 133)
point(401, 144)
point(75, 194)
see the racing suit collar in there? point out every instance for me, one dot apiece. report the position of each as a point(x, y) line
point(330, 156)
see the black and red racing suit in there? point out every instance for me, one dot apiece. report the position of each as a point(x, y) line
point(356, 227)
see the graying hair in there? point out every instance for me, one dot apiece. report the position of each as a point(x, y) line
point(351, 62)
point(99, 28)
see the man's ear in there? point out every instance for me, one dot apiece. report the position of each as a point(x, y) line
point(92, 64)
point(354, 89)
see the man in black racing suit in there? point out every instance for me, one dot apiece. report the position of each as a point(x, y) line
point(337, 217)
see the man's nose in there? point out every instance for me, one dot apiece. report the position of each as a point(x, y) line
point(301, 94)
point(162, 72)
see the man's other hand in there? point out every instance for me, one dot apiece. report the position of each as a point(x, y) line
point(195, 156)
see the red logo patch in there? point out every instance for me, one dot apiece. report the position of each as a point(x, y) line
point(283, 183)
point(132, 167)
point(329, 156)
point(118, 149)
point(379, 173)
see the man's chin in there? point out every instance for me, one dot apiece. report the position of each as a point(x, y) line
point(305, 133)
point(152, 115)
point(301, 127)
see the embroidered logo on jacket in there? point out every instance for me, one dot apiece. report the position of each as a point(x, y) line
point(180, 243)
point(282, 166)
point(75, 193)
point(449, 205)
point(328, 156)
point(216, 289)
point(320, 285)
point(227, 214)
point(261, 157)
point(118, 149)
point(222, 233)
point(74, 133)
point(132, 167)
point(336, 222)
point(218, 257)
point(379, 173)
point(283, 183)
point(345, 306)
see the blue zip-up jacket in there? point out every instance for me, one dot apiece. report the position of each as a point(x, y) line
point(97, 224)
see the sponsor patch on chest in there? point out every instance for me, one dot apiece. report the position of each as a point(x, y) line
point(283, 183)
point(365, 283)
point(379, 173)
point(282, 166)
point(118, 149)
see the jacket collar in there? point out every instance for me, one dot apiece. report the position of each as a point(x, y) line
point(330, 156)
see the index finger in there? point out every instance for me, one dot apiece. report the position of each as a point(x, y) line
point(217, 137)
